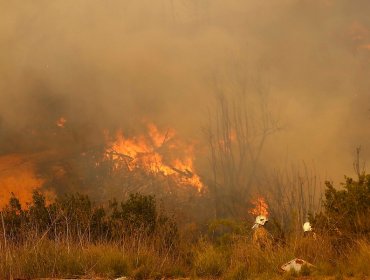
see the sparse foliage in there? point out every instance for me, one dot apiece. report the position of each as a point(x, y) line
point(238, 129)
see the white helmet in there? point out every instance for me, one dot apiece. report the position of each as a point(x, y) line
point(307, 227)
point(261, 220)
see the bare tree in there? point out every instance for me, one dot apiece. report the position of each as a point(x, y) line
point(237, 130)
point(358, 166)
point(292, 194)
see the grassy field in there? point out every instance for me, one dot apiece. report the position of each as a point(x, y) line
point(141, 258)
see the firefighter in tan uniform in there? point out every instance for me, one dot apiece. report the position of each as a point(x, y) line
point(261, 237)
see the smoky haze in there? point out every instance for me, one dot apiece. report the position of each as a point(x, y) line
point(114, 64)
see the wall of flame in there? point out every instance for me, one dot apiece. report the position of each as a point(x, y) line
point(17, 176)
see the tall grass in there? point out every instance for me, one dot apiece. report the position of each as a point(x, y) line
point(74, 238)
point(139, 257)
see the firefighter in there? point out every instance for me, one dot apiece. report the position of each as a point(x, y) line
point(307, 230)
point(261, 237)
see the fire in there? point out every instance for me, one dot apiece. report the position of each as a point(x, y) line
point(17, 175)
point(154, 152)
point(260, 207)
point(61, 122)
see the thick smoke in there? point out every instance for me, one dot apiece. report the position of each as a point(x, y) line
point(104, 65)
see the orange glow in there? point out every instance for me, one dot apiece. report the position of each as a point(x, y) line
point(358, 32)
point(367, 47)
point(359, 35)
point(260, 207)
point(17, 175)
point(154, 152)
point(230, 139)
point(61, 122)
point(157, 137)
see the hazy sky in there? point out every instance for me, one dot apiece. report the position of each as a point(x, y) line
point(105, 64)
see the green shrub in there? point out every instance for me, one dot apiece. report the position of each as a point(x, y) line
point(346, 210)
point(139, 212)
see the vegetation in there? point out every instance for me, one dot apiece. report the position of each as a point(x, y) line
point(347, 210)
point(74, 237)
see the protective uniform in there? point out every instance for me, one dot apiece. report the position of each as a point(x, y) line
point(261, 237)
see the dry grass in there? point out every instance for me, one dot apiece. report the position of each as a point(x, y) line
point(108, 260)
point(239, 259)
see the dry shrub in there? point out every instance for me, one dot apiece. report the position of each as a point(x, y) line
point(359, 259)
point(237, 271)
point(106, 259)
point(259, 261)
point(314, 250)
point(209, 260)
point(51, 259)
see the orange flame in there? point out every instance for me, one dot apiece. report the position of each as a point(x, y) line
point(154, 153)
point(61, 122)
point(260, 207)
point(17, 175)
